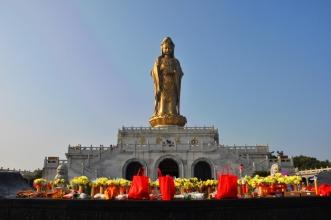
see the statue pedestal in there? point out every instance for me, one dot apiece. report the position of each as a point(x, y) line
point(166, 120)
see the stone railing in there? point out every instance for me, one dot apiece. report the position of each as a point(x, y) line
point(91, 148)
point(22, 172)
point(160, 128)
point(312, 172)
point(167, 147)
point(257, 148)
point(14, 170)
point(234, 147)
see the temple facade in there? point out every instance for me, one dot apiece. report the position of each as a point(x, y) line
point(178, 151)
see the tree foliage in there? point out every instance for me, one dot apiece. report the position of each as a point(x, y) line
point(304, 163)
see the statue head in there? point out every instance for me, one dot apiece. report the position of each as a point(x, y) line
point(61, 172)
point(167, 47)
point(61, 169)
point(275, 168)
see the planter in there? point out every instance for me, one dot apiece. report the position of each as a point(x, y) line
point(38, 188)
point(101, 189)
point(81, 189)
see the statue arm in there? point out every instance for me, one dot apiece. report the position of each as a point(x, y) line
point(179, 69)
point(179, 75)
point(156, 80)
point(156, 83)
point(178, 83)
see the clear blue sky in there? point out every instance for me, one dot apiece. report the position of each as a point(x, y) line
point(74, 72)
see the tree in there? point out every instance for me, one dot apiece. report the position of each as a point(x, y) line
point(304, 163)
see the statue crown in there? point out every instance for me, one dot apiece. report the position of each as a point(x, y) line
point(167, 40)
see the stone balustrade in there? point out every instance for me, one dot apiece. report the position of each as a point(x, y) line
point(12, 170)
point(15, 170)
point(312, 172)
point(257, 148)
point(91, 148)
point(163, 128)
point(165, 147)
point(198, 147)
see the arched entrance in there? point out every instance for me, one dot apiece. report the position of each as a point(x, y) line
point(202, 170)
point(169, 167)
point(132, 169)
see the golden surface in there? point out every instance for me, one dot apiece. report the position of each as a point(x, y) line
point(167, 75)
point(164, 120)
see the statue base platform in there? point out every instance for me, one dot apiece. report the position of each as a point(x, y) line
point(166, 120)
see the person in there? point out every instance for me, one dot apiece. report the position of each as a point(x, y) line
point(167, 75)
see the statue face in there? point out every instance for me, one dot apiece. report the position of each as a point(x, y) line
point(167, 49)
point(274, 169)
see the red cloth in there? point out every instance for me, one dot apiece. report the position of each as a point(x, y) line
point(310, 188)
point(227, 187)
point(139, 187)
point(324, 190)
point(167, 186)
point(111, 192)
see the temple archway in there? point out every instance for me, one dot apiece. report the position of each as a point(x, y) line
point(202, 170)
point(131, 169)
point(169, 166)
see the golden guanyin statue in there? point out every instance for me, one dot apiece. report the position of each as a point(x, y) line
point(167, 75)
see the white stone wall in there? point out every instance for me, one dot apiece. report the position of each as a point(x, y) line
point(150, 146)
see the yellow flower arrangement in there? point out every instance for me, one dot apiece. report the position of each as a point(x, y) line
point(102, 181)
point(123, 182)
point(111, 182)
point(188, 185)
point(154, 183)
point(278, 178)
point(252, 182)
point(210, 183)
point(118, 182)
point(282, 180)
point(297, 180)
point(179, 182)
point(80, 181)
point(194, 180)
point(293, 180)
point(40, 181)
point(58, 182)
point(199, 185)
point(193, 184)
point(270, 180)
point(277, 175)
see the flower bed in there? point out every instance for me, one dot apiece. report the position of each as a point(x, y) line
point(275, 185)
point(185, 188)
